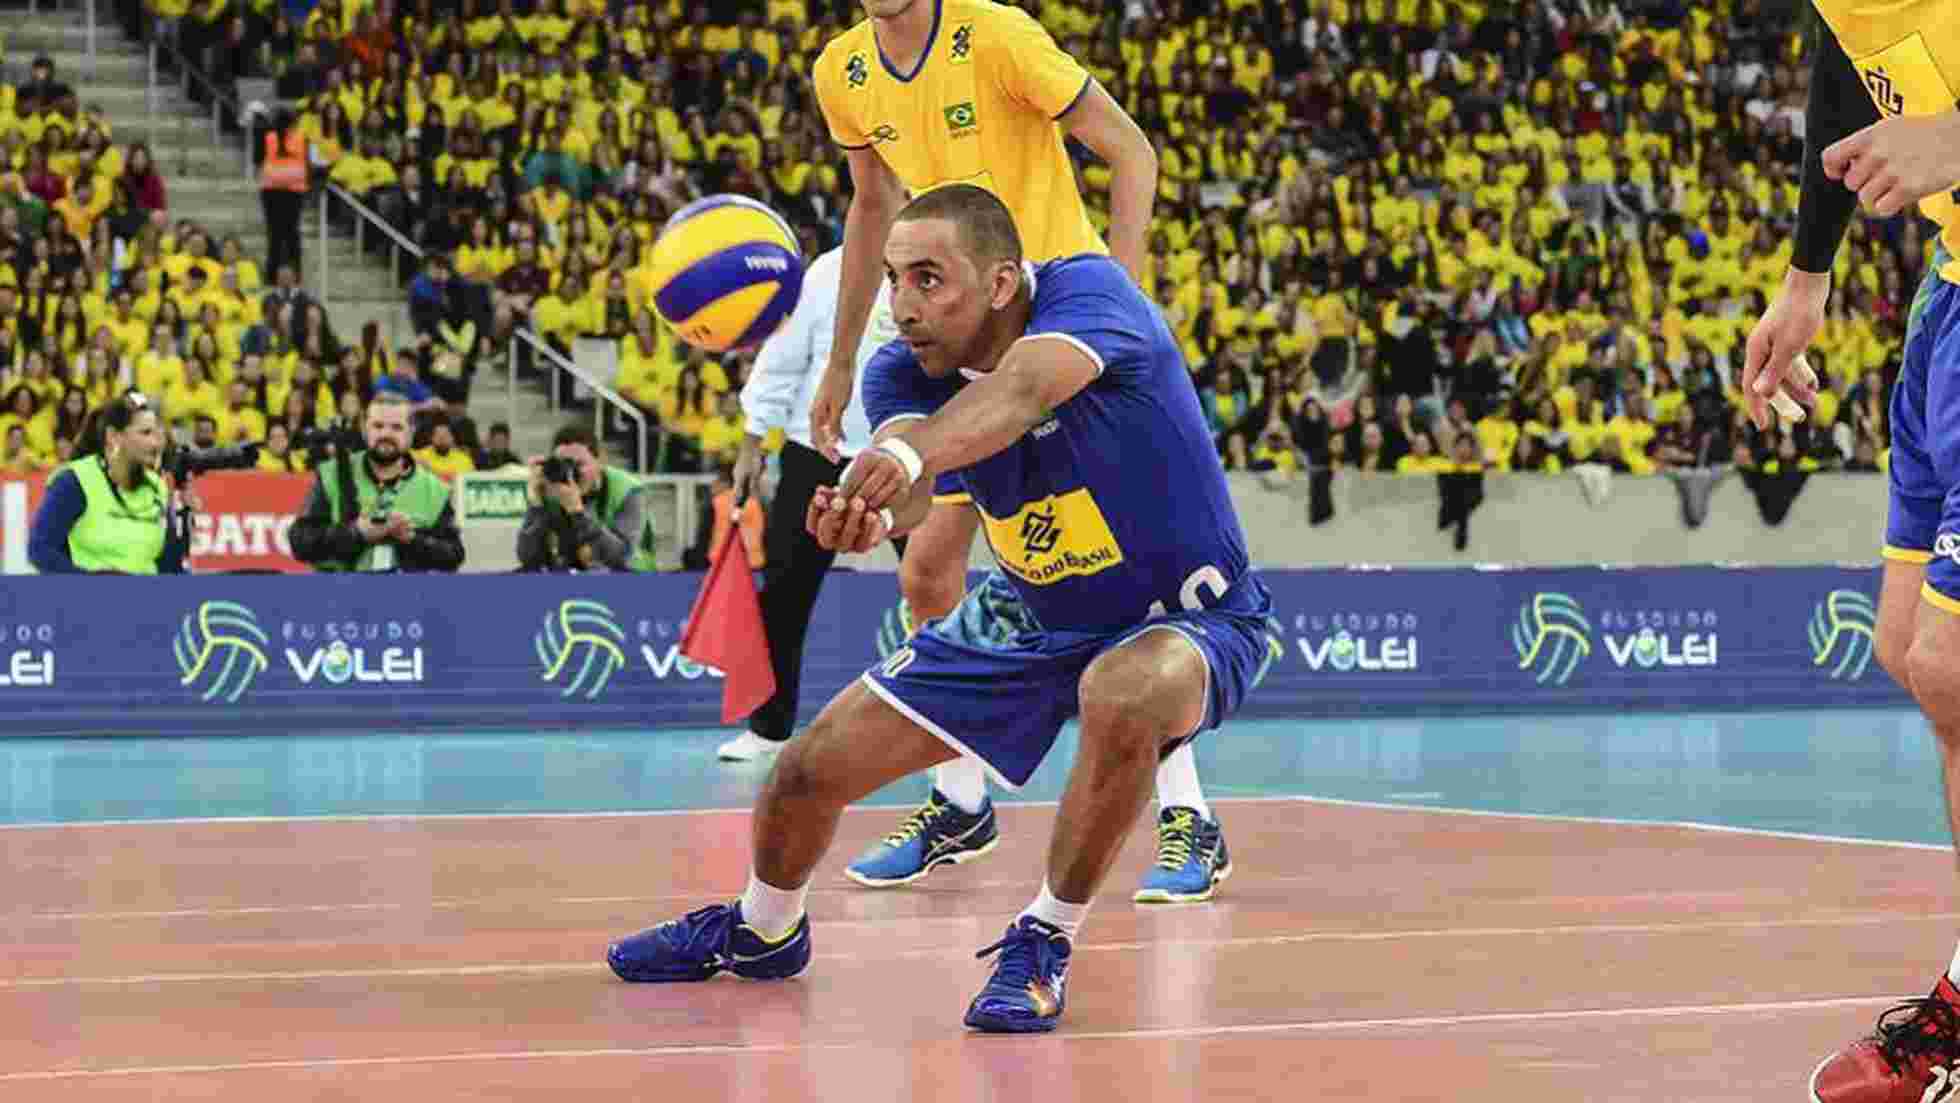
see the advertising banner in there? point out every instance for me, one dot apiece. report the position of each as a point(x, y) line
point(242, 527)
point(211, 654)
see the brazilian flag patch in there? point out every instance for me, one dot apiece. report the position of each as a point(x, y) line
point(961, 118)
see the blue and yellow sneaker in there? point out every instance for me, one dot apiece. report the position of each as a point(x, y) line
point(936, 834)
point(1191, 859)
point(705, 942)
point(1024, 996)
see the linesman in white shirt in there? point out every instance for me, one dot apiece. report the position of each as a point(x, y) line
point(781, 384)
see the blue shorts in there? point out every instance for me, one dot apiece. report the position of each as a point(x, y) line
point(991, 682)
point(1923, 522)
point(947, 489)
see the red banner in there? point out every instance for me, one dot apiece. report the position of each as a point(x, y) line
point(242, 526)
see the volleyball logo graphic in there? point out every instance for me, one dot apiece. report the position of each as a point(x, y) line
point(1341, 653)
point(1841, 634)
point(1551, 636)
point(220, 651)
point(580, 647)
point(726, 272)
point(894, 629)
point(338, 663)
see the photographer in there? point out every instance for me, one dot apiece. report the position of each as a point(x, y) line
point(584, 515)
point(108, 511)
point(376, 509)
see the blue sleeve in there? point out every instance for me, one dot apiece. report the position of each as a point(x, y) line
point(47, 538)
point(895, 388)
point(1091, 302)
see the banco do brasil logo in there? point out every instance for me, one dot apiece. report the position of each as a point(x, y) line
point(1841, 634)
point(1551, 636)
point(580, 647)
point(220, 650)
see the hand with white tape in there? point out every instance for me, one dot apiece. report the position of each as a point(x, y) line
point(1786, 407)
point(881, 475)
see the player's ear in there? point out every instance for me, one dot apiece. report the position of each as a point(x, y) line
point(1005, 282)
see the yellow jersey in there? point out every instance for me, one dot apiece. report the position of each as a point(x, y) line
point(979, 108)
point(1908, 55)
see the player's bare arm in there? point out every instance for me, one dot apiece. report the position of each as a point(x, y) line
point(1099, 122)
point(1839, 108)
point(876, 197)
point(1896, 162)
point(1037, 374)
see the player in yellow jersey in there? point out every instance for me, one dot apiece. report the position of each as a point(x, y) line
point(1882, 131)
point(925, 93)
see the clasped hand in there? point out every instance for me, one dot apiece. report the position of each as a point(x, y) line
point(850, 517)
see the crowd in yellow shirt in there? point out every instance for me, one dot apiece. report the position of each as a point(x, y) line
point(1584, 221)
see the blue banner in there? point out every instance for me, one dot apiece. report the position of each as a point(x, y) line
point(213, 653)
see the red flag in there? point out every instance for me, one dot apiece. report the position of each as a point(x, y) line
point(724, 631)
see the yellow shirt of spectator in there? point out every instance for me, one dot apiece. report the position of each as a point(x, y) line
point(979, 108)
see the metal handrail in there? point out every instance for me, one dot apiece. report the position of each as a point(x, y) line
point(400, 241)
point(219, 100)
point(631, 411)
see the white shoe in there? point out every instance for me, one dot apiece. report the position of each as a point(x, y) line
point(747, 747)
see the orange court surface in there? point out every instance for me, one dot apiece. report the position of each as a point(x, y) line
point(337, 920)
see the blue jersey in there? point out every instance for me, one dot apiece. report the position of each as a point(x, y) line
point(1115, 508)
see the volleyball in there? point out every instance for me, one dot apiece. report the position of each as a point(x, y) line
point(726, 272)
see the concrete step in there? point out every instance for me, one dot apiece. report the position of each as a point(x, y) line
point(65, 32)
point(122, 65)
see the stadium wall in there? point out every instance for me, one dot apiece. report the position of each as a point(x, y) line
point(242, 654)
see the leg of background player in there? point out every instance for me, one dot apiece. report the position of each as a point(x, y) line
point(1135, 700)
point(956, 823)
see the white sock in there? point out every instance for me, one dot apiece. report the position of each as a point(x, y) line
point(1177, 782)
point(964, 781)
point(772, 912)
point(1060, 914)
point(1953, 970)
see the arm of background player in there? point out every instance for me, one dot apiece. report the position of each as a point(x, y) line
point(1040, 372)
point(1838, 108)
point(876, 197)
point(1099, 122)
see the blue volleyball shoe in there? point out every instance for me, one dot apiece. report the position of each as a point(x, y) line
point(1191, 859)
point(707, 941)
point(1024, 996)
point(937, 833)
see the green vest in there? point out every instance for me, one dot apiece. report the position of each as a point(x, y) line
point(116, 532)
point(619, 484)
point(421, 497)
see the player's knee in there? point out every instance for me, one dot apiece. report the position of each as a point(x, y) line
point(1137, 698)
point(932, 584)
point(1932, 666)
point(1893, 646)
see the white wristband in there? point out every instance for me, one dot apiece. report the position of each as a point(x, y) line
point(906, 455)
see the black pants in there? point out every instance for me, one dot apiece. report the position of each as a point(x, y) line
point(282, 215)
point(791, 582)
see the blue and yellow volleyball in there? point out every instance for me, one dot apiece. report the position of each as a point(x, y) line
point(726, 272)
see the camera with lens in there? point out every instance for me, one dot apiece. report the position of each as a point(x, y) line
point(558, 469)
point(183, 464)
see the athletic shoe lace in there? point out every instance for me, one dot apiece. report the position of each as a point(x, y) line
point(1928, 1027)
point(1175, 838)
point(916, 823)
point(702, 931)
point(1026, 953)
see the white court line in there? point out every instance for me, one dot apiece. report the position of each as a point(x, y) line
point(961, 953)
point(441, 817)
point(1608, 821)
point(1312, 1026)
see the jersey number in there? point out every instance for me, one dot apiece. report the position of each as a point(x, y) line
point(1191, 594)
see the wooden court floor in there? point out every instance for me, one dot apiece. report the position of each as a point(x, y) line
point(1360, 953)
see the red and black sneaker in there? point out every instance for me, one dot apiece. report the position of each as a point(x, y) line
point(1913, 1056)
